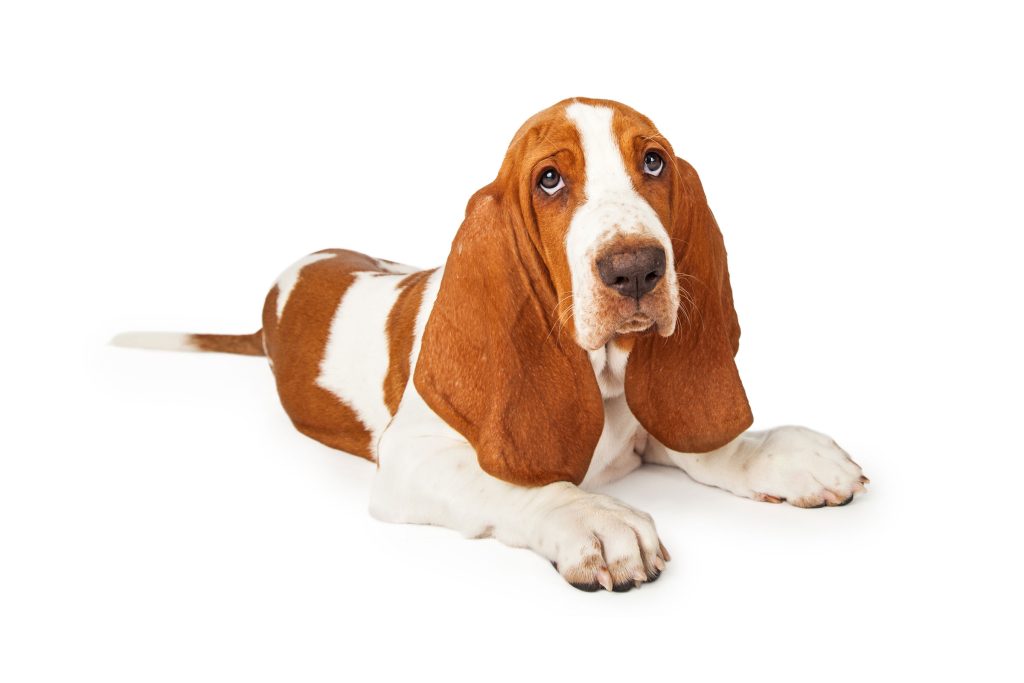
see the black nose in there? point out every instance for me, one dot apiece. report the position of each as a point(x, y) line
point(632, 273)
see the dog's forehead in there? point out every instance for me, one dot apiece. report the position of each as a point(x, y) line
point(603, 151)
point(576, 124)
point(544, 133)
point(615, 117)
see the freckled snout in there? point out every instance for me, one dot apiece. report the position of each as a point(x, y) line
point(634, 272)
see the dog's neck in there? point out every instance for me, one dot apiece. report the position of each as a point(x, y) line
point(609, 363)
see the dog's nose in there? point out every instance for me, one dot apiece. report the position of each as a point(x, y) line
point(632, 273)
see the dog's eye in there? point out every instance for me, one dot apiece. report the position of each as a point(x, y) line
point(550, 181)
point(653, 164)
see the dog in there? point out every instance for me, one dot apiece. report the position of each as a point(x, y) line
point(582, 325)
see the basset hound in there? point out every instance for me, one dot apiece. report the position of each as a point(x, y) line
point(582, 325)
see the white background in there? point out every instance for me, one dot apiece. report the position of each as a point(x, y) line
point(160, 163)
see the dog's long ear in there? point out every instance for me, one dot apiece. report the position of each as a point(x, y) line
point(496, 365)
point(685, 389)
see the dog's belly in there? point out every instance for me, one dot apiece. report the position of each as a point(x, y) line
point(619, 449)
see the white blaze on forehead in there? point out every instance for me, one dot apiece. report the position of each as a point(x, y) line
point(605, 170)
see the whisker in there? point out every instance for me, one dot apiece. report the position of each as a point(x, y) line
point(560, 323)
point(688, 303)
point(561, 317)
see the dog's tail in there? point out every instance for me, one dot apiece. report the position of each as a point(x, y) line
point(245, 344)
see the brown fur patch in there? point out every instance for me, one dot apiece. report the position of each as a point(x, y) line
point(625, 342)
point(244, 344)
point(400, 329)
point(296, 344)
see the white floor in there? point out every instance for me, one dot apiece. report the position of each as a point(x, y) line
point(165, 519)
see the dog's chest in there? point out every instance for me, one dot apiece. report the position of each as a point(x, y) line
point(623, 439)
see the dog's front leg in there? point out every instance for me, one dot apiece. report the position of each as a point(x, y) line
point(792, 464)
point(593, 540)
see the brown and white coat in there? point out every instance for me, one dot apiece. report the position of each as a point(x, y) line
point(582, 325)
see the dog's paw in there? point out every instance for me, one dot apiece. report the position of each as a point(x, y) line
point(598, 542)
point(801, 467)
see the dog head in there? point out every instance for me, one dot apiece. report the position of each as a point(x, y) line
point(592, 232)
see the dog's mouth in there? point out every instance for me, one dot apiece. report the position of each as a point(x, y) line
point(638, 322)
point(620, 316)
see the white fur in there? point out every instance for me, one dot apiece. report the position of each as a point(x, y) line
point(612, 208)
point(159, 341)
point(609, 363)
point(290, 277)
point(355, 360)
point(792, 464)
point(620, 449)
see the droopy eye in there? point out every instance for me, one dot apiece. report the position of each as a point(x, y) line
point(550, 181)
point(653, 164)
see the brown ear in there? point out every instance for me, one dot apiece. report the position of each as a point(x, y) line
point(496, 365)
point(685, 389)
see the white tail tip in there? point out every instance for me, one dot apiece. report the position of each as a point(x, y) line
point(160, 341)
